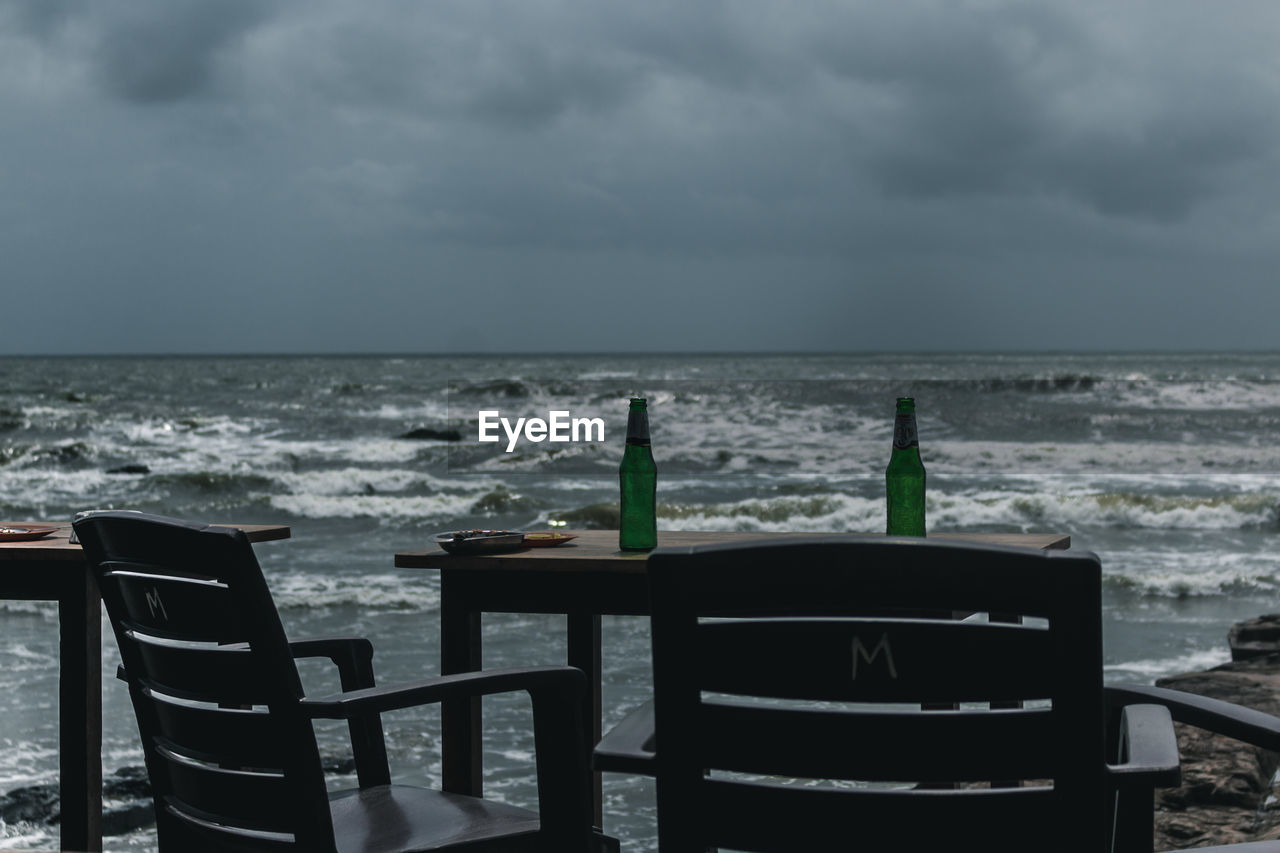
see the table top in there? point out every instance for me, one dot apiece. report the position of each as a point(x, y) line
point(56, 547)
point(597, 550)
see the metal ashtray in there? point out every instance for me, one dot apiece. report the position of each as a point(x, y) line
point(479, 541)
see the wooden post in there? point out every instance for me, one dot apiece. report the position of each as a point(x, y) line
point(584, 653)
point(460, 721)
point(80, 714)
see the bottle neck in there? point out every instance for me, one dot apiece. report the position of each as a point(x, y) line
point(638, 427)
point(904, 431)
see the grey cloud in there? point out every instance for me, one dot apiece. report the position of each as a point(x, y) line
point(536, 85)
point(156, 52)
point(460, 64)
point(42, 18)
point(1023, 101)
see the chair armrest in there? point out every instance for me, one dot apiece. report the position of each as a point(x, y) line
point(560, 742)
point(629, 746)
point(354, 703)
point(353, 656)
point(1149, 749)
point(1224, 718)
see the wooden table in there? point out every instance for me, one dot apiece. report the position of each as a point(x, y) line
point(583, 579)
point(52, 569)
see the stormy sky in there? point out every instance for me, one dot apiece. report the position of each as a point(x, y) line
point(465, 175)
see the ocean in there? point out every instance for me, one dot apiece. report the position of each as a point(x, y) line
point(1164, 464)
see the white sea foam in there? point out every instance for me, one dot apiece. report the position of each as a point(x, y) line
point(367, 590)
point(1217, 394)
point(168, 431)
point(38, 488)
point(428, 410)
point(438, 508)
point(25, 836)
point(28, 762)
point(946, 511)
point(342, 481)
point(817, 514)
point(19, 657)
point(1184, 573)
point(1115, 510)
point(47, 609)
point(1103, 458)
point(1149, 669)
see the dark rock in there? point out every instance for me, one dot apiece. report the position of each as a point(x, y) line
point(1255, 637)
point(64, 453)
point(127, 818)
point(428, 434)
point(129, 469)
point(31, 804)
point(1225, 783)
point(127, 782)
point(601, 516)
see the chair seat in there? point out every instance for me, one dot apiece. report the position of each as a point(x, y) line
point(404, 819)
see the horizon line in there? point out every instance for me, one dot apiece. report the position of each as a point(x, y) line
point(634, 353)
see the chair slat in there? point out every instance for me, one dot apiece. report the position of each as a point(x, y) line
point(173, 606)
point(215, 674)
point(907, 746)
point(251, 799)
point(746, 816)
point(239, 736)
point(730, 578)
point(232, 839)
point(874, 660)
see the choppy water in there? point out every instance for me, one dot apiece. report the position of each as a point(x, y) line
point(1166, 465)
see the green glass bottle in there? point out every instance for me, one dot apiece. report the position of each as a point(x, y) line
point(638, 477)
point(904, 478)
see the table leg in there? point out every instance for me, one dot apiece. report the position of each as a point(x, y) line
point(584, 653)
point(459, 719)
point(80, 716)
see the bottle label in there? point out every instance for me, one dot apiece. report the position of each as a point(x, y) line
point(904, 432)
point(637, 428)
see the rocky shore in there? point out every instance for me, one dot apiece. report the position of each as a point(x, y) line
point(1229, 792)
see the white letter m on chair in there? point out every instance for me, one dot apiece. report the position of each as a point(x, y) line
point(153, 602)
point(860, 651)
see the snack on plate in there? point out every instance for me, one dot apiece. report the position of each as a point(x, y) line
point(475, 532)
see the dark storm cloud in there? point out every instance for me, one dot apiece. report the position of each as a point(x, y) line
point(986, 156)
point(42, 18)
point(1027, 100)
point(165, 50)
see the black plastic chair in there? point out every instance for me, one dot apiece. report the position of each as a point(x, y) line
point(1136, 813)
point(815, 661)
point(227, 732)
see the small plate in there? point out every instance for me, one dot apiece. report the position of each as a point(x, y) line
point(547, 538)
point(479, 541)
point(23, 532)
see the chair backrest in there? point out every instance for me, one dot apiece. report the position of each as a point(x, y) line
point(811, 660)
point(233, 764)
